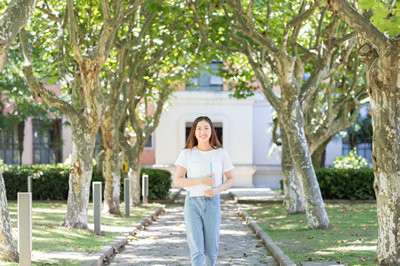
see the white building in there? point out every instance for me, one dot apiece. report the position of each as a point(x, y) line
point(246, 129)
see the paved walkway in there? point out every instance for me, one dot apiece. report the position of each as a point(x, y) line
point(164, 242)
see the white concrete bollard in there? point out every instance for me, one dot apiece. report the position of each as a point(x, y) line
point(29, 183)
point(97, 198)
point(25, 228)
point(145, 188)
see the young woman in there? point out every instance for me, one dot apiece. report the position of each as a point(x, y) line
point(202, 211)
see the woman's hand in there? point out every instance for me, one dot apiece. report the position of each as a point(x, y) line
point(210, 192)
point(208, 180)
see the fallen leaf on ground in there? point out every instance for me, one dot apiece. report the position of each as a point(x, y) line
point(155, 237)
point(254, 251)
point(310, 237)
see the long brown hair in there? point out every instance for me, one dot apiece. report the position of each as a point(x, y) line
point(192, 141)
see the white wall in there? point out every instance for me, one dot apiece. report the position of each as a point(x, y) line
point(333, 150)
point(263, 151)
point(266, 155)
point(235, 115)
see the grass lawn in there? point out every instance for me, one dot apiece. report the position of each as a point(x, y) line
point(352, 240)
point(54, 244)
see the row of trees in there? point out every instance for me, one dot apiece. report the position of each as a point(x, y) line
point(112, 59)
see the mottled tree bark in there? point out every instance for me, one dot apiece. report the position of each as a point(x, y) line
point(133, 159)
point(384, 88)
point(8, 250)
point(12, 20)
point(381, 56)
point(294, 127)
point(83, 143)
point(293, 200)
point(317, 155)
point(111, 166)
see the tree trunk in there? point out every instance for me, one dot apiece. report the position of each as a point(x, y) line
point(21, 136)
point(12, 20)
point(293, 195)
point(111, 168)
point(83, 142)
point(384, 90)
point(294, 128)
point(134, 174)
point(8, 250)
point(318, 156)
point(56, 142)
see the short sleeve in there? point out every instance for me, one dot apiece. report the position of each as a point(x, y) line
point(226, 161)
point(182, 159)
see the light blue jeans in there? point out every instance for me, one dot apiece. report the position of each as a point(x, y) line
point(203, 220)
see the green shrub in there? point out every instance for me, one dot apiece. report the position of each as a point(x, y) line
point(341, 183)
point(52, 182)
point(351, 183)
point(352, 160)
point(159, 183)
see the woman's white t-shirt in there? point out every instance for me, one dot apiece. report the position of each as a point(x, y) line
point(221, 162)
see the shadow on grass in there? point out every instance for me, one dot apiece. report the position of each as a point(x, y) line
point(352, 240)
point(54, 244)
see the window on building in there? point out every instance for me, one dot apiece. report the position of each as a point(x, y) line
point(217, 127)
point(43, 143)
point(9, 147)
point(207, 80)
point(359, 136)
point(149, 143)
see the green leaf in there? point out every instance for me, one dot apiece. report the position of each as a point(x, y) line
point(381, 11)
point(366, 4)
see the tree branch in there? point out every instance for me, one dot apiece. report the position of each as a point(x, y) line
point(246, 26)
point(359, 23)
point(106, 11)
point(51, 16)
point(296, 21)
point(36, 86)
point(275, 136)
point(12, 20)
point(266, 85)
point(73, 28)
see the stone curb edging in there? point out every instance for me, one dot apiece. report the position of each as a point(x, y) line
point(276, 252)
point(236, 199)
point(112, 247)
